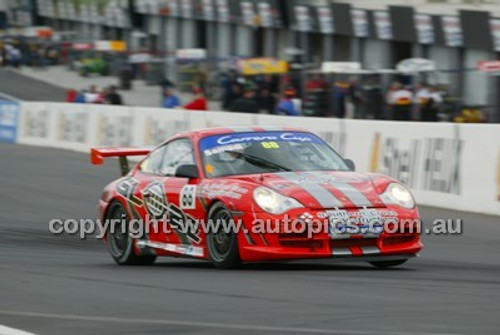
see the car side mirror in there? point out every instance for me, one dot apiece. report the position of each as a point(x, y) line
point(187, 171)
point(350, 164)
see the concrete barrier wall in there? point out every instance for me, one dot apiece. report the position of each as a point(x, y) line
point(446, 165)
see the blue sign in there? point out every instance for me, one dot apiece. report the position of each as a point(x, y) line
point(9, 119)
point(240, 138)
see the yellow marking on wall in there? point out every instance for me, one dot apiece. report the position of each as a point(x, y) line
point(375, 153)
point(498, 177)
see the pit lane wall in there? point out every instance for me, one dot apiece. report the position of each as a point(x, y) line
point(446, 165)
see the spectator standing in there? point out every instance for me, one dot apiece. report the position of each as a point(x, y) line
point(3, 55)
point(246, 104)
point(267, 101)
point(113, 97)
point(341, 89)
point(422, 99)
point(433, 105)
point(317, 82)
point(14, 56)
point(287, 106)
point(170, 100)
point(400, 99)
point(374, 98)
point(269, 83)
point(199, 102)
point(71, 95)
point(231, 94)
point(80, 97)
point(92, 95)
point(358, 99)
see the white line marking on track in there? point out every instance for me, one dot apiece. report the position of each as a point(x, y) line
point(9, 97)
point(212, 325)
point(4, 330)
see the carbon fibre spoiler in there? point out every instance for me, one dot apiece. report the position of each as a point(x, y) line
point(98, 155)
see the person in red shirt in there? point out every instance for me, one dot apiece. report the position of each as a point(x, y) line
point(199, 102)
point(71, 95)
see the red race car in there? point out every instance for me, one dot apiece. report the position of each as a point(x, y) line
point(254, 194)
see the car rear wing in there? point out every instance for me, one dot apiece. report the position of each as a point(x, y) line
point(98, 155)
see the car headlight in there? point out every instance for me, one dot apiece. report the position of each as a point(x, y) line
point(399, 195)
point(273, 202)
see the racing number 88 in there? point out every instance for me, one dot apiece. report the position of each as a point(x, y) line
point(270, 145)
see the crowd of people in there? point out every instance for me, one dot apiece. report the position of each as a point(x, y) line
point(400, 102)
point(92, 95)
point(367, 99)
point(407, 103)
point(199, 101)
point(30, 54)
point(258, 95)
point(10, 56)
point(341, 98)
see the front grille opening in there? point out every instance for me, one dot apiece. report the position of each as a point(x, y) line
point(395, 240)
point(311, 244)
point(354, 242)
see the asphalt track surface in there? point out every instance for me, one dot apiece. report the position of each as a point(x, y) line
point(21, 87)
point(62, 285)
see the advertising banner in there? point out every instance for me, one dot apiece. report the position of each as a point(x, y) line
point(173, 8)
point(72, 125)
point(489, 65)
point(383, 25)
point(9, 119)
point(115, 46)
point(303, 18)
point(113, 127)
point(452, 31)
point(256, 66)
point(71, 9)
point(424, 28)
point(152, 128)
point(360, 22)
point(495, 32)
point(38, 125)
point(208, 11)
point(265, 14)
point(248, 13)
point(325, 20)
point(62, 9)
point(187, 8)
point(141, 7)
point(42, 8)
point(222, 10)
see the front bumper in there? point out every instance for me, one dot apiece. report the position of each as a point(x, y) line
point(400, 242)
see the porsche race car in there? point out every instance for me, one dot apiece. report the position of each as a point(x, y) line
point(235, 195)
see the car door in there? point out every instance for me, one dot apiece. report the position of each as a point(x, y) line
point(172, 197)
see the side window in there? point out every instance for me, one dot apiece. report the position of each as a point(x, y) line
point(176, 153)
point(153, 162)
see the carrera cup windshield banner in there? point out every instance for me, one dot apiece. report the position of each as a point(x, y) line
point(242, 138)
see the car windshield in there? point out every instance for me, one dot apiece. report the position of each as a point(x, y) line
point(250, 153)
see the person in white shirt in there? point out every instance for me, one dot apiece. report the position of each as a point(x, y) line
point(422, 96)
point(400, 99)
point(92, 95)
point(431, 109)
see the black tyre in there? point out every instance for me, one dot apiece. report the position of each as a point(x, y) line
point(222, 245)
point(388, 264)
point(120, 243)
